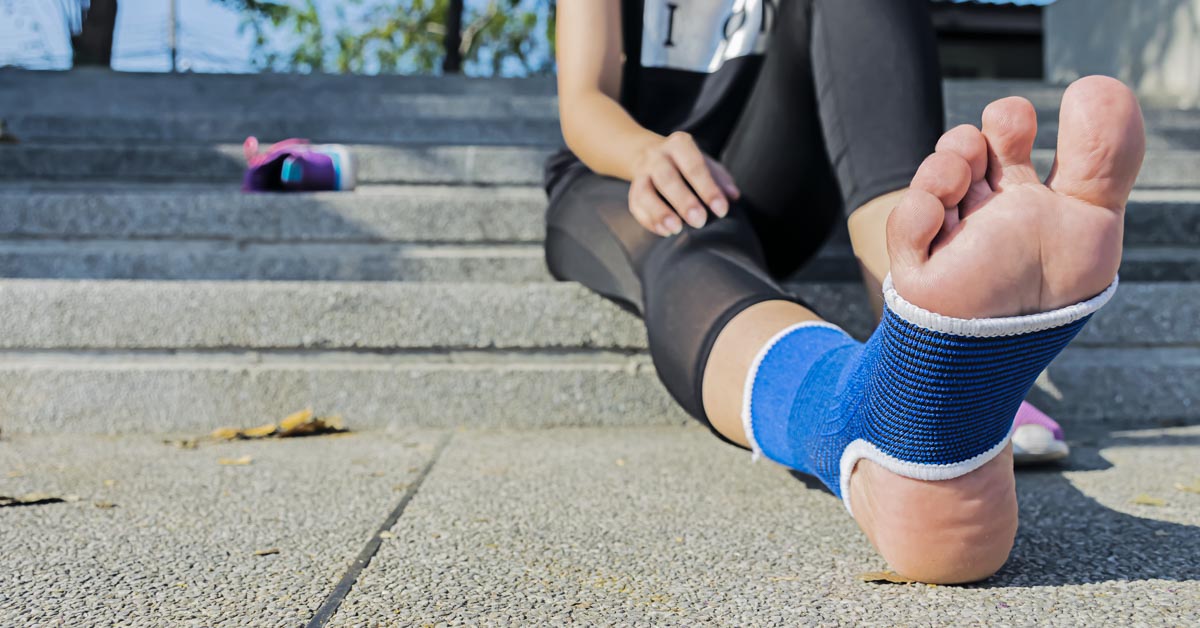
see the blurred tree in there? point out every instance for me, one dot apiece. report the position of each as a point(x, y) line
point(390, 36)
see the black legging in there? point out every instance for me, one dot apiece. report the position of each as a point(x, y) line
point(846, 106)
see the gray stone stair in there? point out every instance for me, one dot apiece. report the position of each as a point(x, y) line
point(401, 164)
point(140, 291)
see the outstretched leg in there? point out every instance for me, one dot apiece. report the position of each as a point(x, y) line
point(992, 273)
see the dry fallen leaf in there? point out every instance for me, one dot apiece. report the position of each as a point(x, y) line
point(225, 433)
point(296, 419)
point(235, 462)
point(1194, 487)
point(1147, 500)
point(311, 426)
point(301, 423)
point(104, 505)
point(261, 431)
point(14, 474)
point(266, 552)
point(883, 576)
point(386, 535)
point(35, 499)
point(110, 483)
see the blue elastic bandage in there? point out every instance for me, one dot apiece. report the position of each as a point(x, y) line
point(928, 396)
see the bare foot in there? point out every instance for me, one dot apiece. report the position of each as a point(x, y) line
point(978, 235)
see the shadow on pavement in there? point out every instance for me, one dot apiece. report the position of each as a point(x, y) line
point(1066, 537)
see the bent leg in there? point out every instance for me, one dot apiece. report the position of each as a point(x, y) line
point(686, 287)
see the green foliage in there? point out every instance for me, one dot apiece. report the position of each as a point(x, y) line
point(389, 36)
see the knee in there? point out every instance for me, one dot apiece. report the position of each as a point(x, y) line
point(944, 532)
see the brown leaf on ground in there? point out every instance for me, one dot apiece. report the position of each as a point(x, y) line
point(296, 419)
point(1194, 487)
point(1147, 500)
point(225, 433)
point(302, 423)
point(884, 576)
point(266, 552)
point(261, 431)
point(104, 505)
point(235, 462)
point(311, 426)
point(35, 499)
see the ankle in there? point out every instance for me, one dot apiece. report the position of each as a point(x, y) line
point(945, 531)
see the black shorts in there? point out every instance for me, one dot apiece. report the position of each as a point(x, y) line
point(845, 107)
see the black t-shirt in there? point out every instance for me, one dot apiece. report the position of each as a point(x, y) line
point(689, 65)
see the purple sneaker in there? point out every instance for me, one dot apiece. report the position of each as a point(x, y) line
point(294, 165)
point(1036, 437)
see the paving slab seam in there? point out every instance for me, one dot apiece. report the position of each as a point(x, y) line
point(327, 609)
point(316, 356)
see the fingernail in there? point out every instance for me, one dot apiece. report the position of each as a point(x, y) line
point(695, 217)
point(719, 206)
point(673, 225)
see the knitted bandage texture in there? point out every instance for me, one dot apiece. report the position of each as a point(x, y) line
point(927, 396)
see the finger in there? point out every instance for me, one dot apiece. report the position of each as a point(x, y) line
point(649, 209)
point(724, 179)
point(670, 184)
point(694, 168)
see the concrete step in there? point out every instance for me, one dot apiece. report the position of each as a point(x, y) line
point(504, 165)
point(305, 261)
point(298, 316)
point(384, 213)
point(132, 94)
point(410, 213)
point(156, 392)
point(147, 95)
point(412, 126)
point(444, 126)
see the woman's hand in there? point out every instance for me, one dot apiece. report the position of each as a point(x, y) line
point(676, 170)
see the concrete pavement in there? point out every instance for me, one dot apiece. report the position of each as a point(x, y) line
point(597, 526)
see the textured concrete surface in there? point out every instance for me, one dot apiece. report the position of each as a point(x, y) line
point(178, 547)
point(208, 260)
point(424, 164)
point(641, 526)
point(668, 527)
point(418, 121)
point(411, 213)
point(53, 314)
point(180, 259)
point(381, 213)
point(118, 392)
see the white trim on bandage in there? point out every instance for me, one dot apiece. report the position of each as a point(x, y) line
point(860, 449)
point(748, 390)
point(991, 327)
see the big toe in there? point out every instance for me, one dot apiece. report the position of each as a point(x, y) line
point(1101, 142)
point(1010, 126)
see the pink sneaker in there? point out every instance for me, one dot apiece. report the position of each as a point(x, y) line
point(1036, 437)
point(295, 165)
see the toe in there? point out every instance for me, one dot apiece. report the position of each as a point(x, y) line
point(968, 142)
point(945, 175)
point(1010, 125)
point(1101, 142)
point(929, 206)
